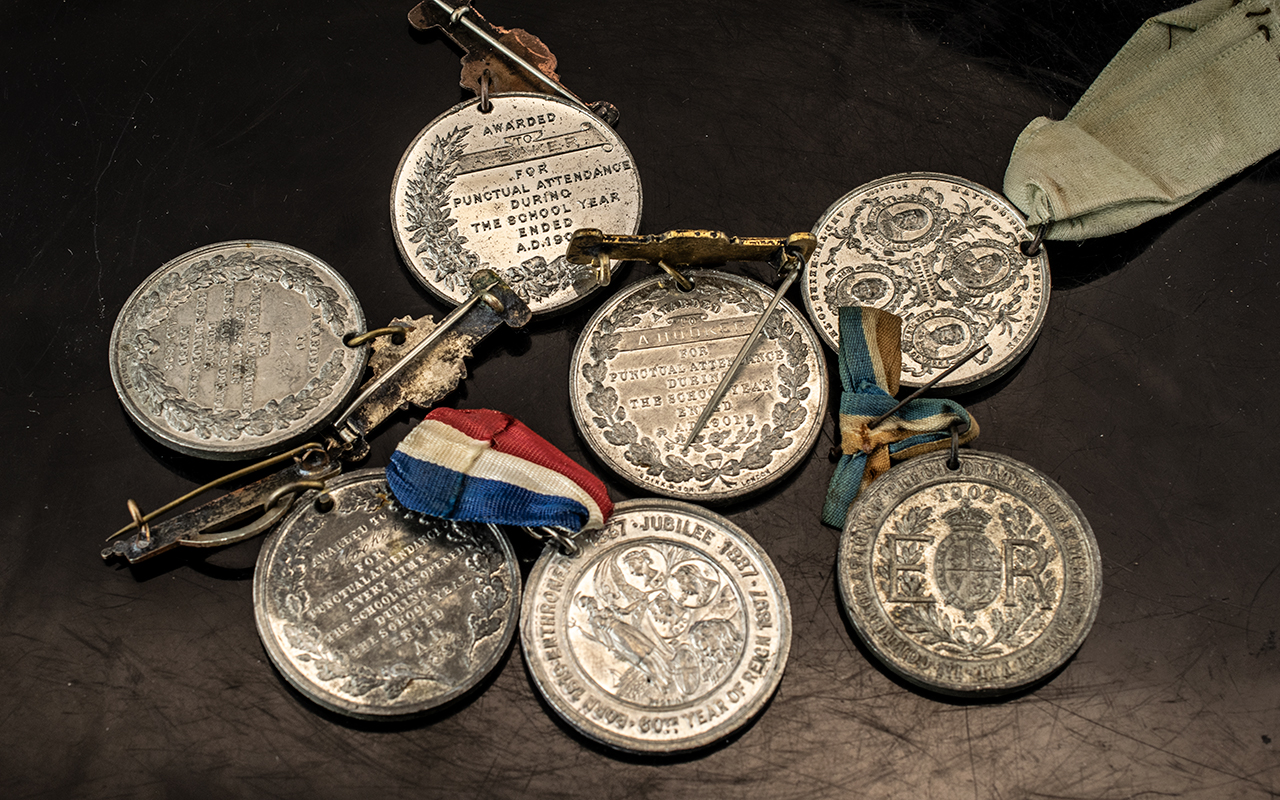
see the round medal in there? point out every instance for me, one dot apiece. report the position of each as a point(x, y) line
point(942, 253)
point(978, 580)
point(235, 350)
point(650, 359)
point(375, 612)
point(667, 632)
point(505, 190)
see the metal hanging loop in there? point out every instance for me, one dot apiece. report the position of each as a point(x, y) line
point(486, 83)
point(562, 540)
point(139, 521)
point(603, 266)
point(953, 463)
point(1031, 249)
point(396, 332)
point(682, 281)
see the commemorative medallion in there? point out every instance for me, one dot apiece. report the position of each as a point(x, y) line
point(651, 358)
point(235, 350)
point(973, 581)
point(504, 190)
point(942, 253)
point(375, 612)
point(667, 632)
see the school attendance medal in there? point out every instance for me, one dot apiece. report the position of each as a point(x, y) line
point(702, 386)
point(413, 362)
point(235, 349)
point(945, 255)
point(667, 632)
point(500, 182)
point(373, 612)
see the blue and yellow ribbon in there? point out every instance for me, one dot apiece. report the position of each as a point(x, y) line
point(870, 368)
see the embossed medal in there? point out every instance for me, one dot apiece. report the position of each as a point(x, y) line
point(945, 255)
point(704, 385)
point(375, 612)
point(235, 349)
point(649, 361)
point(977, 580)
point(667, 632)
point(505, 189)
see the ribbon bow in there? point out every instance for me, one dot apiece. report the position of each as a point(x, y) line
point(870, 367)
point(486, 466)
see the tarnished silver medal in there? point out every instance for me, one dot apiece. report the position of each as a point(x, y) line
point(978, 580)
point(375, 612)
point(942, 253)
point(505, 190)
point(236, 349)
point(649, 361)
point(667, 632)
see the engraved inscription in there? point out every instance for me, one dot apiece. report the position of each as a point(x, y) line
point(195, 361)
point(651, 359)
point(375, 612)
point(505, 190)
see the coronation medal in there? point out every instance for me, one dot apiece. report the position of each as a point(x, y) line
point(373, 611)
point(234, 350)
point(973, 580)
point(946, 256)
point(667, 632)
point(652, 361)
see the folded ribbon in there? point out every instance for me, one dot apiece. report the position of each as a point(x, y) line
point(870, 367)
point(1193, 98)
point(486, 466)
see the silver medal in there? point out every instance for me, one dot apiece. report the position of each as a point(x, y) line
point(236, 349)
point(978, 580)
point(943, 254)
point(649, 361)
point(668, 631)
point(505, 190)
point(373, 612)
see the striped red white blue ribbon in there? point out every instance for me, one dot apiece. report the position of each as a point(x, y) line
point(486, 466)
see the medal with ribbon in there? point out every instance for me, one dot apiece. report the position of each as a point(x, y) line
point(1191, 99)
point(486, 466)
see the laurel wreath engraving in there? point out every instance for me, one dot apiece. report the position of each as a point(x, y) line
point(160, 399)
point(1009, 629)
point(306, 639)
point(429, 223)
point(642, 451)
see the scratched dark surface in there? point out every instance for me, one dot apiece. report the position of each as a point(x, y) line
point(132, 132)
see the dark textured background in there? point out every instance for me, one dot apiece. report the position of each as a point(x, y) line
point(132, 132)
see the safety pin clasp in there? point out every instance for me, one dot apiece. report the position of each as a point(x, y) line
point(233, 517)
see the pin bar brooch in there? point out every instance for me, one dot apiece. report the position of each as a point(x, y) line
point(683, 248)
point(418, 372)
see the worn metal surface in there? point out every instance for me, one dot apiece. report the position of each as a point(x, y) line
point(977, 580)
point(235, 350)
point(684, 247)
point(375, 612)
point(667, 632)
point(137, 131)
point(428, 364)
point(942, 253)
point(648, 363)
point(505, 190)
